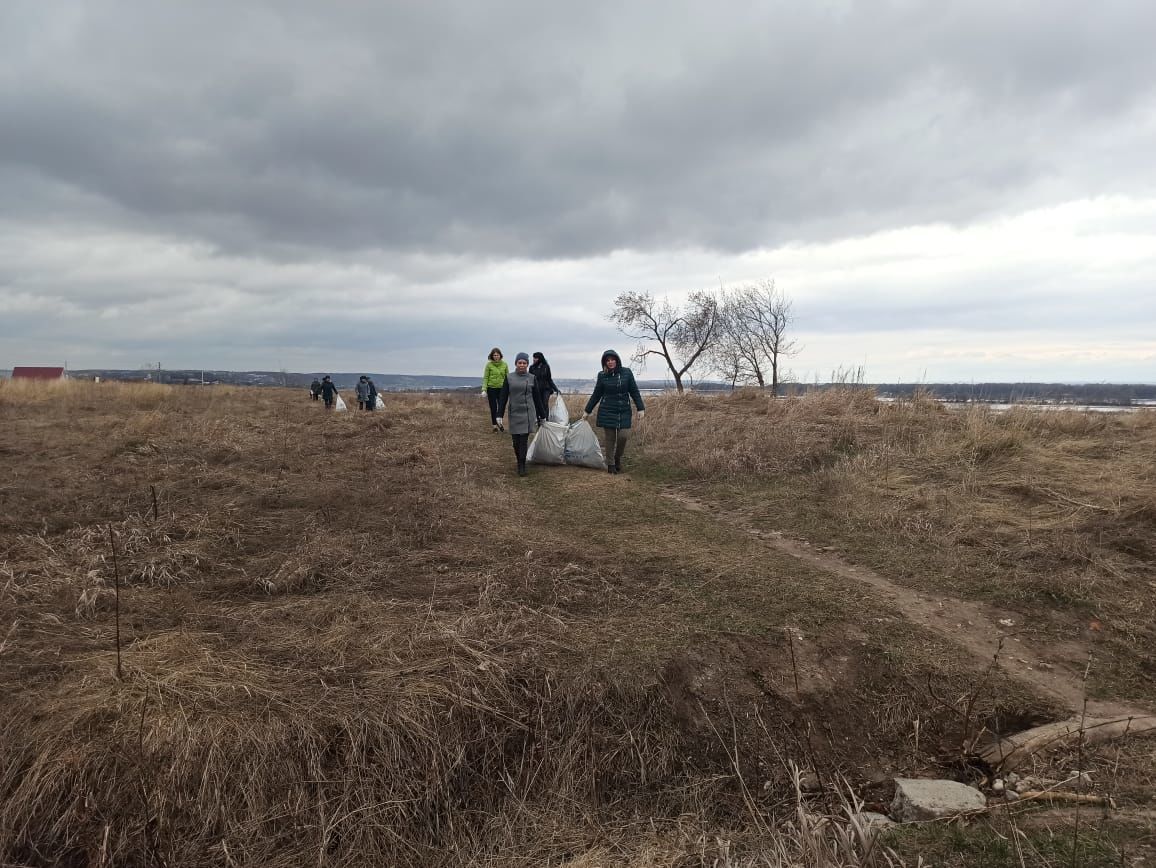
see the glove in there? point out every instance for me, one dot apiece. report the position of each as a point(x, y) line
point(585, 417)
point(641, 414)
point(483, 393)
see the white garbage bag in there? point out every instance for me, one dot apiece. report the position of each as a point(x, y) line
point(339, 404)
point(378, 404)
point(582, 447)
point(558, 411)
point(548, 445)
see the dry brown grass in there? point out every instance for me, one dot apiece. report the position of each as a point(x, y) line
point(338, 647)
point(359, 639)
point(1045, 511)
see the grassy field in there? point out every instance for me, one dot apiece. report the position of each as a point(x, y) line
point(361, 639)
point(1048, 513)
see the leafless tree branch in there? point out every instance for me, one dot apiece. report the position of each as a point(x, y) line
point(683, 335)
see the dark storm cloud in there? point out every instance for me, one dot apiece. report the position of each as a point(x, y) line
point(292, 129)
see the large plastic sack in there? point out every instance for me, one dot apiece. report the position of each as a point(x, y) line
point(558, 411)
point(339, 404)
point(582, 447)
point(378, 404)
point(548, 445)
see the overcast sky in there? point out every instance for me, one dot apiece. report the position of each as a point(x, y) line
point(947, 191)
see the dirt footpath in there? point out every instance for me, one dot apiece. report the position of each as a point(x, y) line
point(1054, 669)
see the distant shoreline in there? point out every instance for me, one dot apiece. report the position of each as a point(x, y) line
point(1045, 394)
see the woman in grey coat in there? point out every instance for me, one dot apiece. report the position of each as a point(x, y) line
point(526, 407)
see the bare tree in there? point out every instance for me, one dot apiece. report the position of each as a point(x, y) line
point(683, 336)
point(760, 315)
point(725, 358)
point(735, 354)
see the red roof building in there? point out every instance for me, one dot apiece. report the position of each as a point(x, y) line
point(27, 373)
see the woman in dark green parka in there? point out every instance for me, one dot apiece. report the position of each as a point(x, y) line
point(613, 393)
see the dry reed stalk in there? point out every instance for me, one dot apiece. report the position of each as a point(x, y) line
point(116, 591)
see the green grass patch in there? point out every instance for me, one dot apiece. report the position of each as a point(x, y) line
point(980, 846)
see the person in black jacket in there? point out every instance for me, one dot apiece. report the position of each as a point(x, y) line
point(315, 388)
point(613, 393)
point(328, 392)
point(540, 369)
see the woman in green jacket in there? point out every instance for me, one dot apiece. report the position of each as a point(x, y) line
point(613, 393)
point(493, 378)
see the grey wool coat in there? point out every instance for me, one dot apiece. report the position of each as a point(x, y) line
point(521, 396)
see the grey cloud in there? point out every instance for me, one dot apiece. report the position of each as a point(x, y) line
point(236, 184)
point(1042, 301)
point(519, 130)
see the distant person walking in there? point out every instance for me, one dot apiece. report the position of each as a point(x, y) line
point(328, 392)
point(613, 392)
point(362, 392)
point(540, 369)
point(520, 395)
point(493, 378)
point(372, 405)
point(315, 388)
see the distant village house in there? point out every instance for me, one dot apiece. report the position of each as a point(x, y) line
point(31, 373)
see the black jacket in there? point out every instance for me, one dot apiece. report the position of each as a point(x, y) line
point(541, 372)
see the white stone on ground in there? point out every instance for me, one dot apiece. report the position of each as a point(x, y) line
point(929, 800)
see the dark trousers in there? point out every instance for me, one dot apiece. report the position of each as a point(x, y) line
point(521, 447)
point(492, 396)
point(614, 441)
point(369, 404)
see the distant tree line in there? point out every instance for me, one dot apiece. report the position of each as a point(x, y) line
point(1108, 394)
point(1103, 394)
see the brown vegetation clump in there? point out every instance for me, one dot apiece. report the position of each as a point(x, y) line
point(355, 736)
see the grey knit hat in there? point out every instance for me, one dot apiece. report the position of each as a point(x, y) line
point(521, 357)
